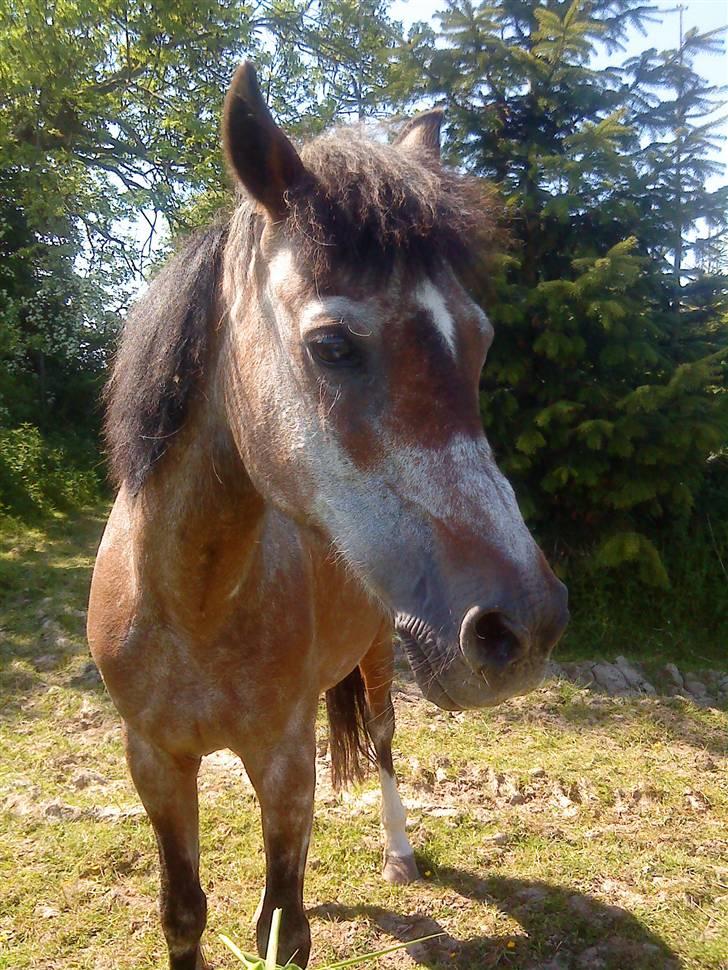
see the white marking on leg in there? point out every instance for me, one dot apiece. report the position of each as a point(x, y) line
point(394, 819)
point(430, 299)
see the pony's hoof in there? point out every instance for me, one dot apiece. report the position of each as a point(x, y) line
point(400, 870)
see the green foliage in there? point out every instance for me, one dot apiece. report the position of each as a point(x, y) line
point(111, 111)
point(687, 621)
point(604, 391)
point(633, 547)
point(40, 475)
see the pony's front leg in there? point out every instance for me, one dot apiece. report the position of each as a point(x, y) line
point(281, 767)
point(167, 786)
point(377, 668)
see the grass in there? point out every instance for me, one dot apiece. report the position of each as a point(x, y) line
point(562, 830)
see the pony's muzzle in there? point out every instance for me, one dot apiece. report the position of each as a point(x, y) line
point(491, 642)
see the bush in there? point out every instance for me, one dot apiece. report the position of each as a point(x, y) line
point(685, 620)
point(43, 474)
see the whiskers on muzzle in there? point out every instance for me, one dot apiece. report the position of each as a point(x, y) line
point(429, 655)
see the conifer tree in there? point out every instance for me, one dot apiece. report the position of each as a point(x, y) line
point(600, 390)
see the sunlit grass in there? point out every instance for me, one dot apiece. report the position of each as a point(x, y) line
point(558, 824)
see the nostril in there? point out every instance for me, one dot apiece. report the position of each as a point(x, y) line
point(489, 640)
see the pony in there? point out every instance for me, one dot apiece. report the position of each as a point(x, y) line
point(293, 425)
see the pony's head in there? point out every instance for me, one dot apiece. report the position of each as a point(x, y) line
point(351, 363)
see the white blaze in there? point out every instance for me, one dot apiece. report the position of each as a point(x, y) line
point(430, 299)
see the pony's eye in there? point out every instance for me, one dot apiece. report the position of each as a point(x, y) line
point(334, 350)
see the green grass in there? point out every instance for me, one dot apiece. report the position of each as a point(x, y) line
point(561, 830)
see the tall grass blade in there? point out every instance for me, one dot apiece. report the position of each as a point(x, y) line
point(272, 950)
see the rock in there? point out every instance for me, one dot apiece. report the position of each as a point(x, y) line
point(695, 686)
point(84, 778)
point(444, 812)
point(696, 800)
point(592, 959)
point(46, 661)
point(537, 773)
point(500, 838)
point(711, 678)
point(533, 894)
point(556, 963)
point(554, 671)
point(71, 611)
point(58, 811)
point(46, 912)
point(579, 673)
point(635, 676)
point(89, 716)
point(562, 798)
point(584, 675)
point(671, 671)
point(112, 813)
point(581, 906)
point(610, 678)
point(21, 803)
point(631, 673)
point(88, 677)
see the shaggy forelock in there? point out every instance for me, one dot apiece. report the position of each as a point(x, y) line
point(366, 205)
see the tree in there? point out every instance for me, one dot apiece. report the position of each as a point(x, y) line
point(111, 110)
point(601, 388)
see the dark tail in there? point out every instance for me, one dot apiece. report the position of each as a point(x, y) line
point(349, 741)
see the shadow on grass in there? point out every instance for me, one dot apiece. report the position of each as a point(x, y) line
point(563, 929)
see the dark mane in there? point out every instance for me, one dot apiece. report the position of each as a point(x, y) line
point(364, 206)
point(366, 203)
point(161, 357)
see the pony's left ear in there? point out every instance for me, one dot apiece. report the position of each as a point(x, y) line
point(256, 149)
point(422, 133)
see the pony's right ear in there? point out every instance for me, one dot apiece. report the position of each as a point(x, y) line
point(422, 133)
point(256, 149)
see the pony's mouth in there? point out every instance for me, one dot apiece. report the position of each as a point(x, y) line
point(444, 676)
point(420, 642)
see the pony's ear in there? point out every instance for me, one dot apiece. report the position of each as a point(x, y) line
point(422, 133)
point(256, 149)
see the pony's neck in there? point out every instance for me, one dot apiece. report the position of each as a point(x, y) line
point(202, 522)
